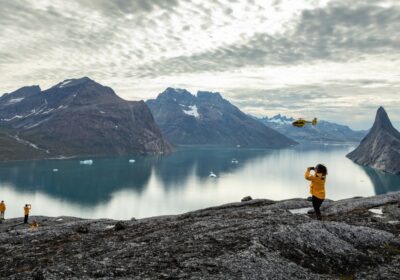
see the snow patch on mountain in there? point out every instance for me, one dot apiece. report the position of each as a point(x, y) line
point(66, 82)
point(14, 100)
point(279, 119)
point(13, 118)
point(191, 111)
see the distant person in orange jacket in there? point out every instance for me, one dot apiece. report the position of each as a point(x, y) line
point(2, 209)
point(317, 186)
point(27, 208)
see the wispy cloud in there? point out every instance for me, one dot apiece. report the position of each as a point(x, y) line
point(266, 55)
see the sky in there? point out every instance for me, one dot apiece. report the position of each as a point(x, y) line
point(336, 60)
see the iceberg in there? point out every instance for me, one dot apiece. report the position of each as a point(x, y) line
point(86, 161)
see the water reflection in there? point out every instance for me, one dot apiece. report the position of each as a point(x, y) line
point(94, 184)
point(75, 182)
point(173, 170)
point(383, 182)
point(114, 188)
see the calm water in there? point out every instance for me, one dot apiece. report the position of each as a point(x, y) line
point(115, 188)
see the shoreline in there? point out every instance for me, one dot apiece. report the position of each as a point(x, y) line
point(255, 239)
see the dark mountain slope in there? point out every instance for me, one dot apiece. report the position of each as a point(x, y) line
point(380, 149)
point(209, 119)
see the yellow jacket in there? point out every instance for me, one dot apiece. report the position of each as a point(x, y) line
point(2, 207)
point(26, 209)
point(317, 185)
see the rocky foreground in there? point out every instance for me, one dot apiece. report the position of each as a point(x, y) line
point(256, 239)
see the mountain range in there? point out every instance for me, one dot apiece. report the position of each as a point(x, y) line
point(76, 117)
point(324, 131)
point(380, 149)
point(208, 119)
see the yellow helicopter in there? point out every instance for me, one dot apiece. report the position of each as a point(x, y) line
point(302, 122)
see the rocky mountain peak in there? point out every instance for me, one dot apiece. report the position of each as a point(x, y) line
point(209, 96)
point(77, 117)
point(382, 121)
point(175, 93)
point(24, 91)
point(380, 149)
point(209, 119)
point(73, 82)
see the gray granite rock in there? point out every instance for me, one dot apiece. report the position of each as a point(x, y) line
point(256, 239)
point(380, 149)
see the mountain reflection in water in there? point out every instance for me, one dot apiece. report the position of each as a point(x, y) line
point(179, 182)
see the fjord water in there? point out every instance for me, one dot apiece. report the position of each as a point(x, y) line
point(179, 182)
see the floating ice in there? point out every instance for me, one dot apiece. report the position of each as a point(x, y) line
point(86, 161)
point(234, 161)
point(212, 175)
point(55, 170)
point(131, 161)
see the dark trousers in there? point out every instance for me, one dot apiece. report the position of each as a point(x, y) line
point(316, 203)
point(26, 219)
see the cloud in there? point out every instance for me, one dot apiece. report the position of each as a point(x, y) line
point(333, 33)
point(253, 51)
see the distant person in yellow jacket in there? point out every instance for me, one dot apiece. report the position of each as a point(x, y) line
point(2, 209)
point(317, 186)
point(27, 208)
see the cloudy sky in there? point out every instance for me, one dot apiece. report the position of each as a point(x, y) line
point(337, 60)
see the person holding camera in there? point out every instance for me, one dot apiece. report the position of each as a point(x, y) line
point(27, 208)
point(317, 186)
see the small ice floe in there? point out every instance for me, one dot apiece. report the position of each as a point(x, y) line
point(86, 161)
point(377, 211)
point(394, 222)
point(300, 211)
point(59, 220)
point(234, 161)
point(55, 170)
point(132, 161)
point(237, 146)
point(109, 227)
point(212, 175)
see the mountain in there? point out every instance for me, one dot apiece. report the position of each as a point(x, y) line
point(209, 119)
point(380, 149)
point(323, 132)
point(77, 117)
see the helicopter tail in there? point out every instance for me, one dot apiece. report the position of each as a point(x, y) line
point(314, 121)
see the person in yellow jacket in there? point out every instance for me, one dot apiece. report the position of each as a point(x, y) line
point(27, 208)
point(317, 186)
point(2, 209)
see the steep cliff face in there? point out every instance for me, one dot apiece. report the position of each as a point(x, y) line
point(209, 119)
point(380, 149)
point(77, 117)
